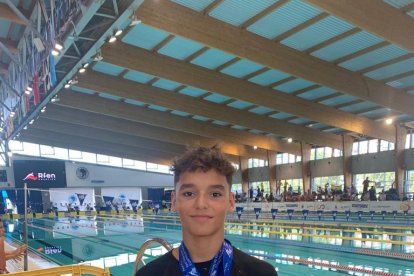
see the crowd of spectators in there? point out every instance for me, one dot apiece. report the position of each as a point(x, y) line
point(327, 193)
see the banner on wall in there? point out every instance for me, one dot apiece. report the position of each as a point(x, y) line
point(39, 174)
point(78, 197)
point(340, 207)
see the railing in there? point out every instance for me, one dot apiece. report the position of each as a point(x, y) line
point(144, 247)
point(74, 270)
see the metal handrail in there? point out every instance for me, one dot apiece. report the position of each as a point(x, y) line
point(144, 247)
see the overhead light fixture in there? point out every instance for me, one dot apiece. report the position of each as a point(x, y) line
point(311, 125)
point(67, 85)
point(29, 88)
point(86, 65)
point(12, 114)
point(112, 39)
point(82, 70)
point(55, 52)
point(25, 127)
point(43, 109)
point(255, 147)
point(10, 154)
point(27, 92)
point(289, 140)
point(58, 46)
point(389, 121)
point(55, 99)
point(118, 32)
point(31, 122)
point(1, 129)
point(134, 20)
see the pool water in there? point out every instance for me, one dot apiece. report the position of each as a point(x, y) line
point(292, 248)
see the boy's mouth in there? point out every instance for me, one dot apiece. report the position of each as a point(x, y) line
point(201, 217)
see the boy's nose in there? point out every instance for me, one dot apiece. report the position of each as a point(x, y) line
point(201, 202)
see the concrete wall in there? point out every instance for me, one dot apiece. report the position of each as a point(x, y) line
point(289, 171)
point(373, 162)
point(259, 174)
point(327, 167)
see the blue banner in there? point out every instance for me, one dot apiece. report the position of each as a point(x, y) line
point(239, 211)
point(383, 213)
point(108, 202)
point(257, 212)
point(305, 214)
point(274, 213)
point(319, 212)
point(348, 214)
point(372, 213)
point(394, 213)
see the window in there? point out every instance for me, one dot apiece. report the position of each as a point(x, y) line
point(385, 146)
point(297, 185)
point(363, 147)
point(286, 158)
point(337, 153)
point(31, 149)
point(409, 188)
point(382, 180)
point(373, 146)
point(409, 142)
point(335, 182)
point(265, 185)
point(313, 154)
point(237, 188)
point(254, 163)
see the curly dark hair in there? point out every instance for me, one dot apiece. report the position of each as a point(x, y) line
point(204, 159)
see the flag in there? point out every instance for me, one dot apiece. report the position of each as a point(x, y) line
point(257, 212)
point(81, 198)
point(239, 211)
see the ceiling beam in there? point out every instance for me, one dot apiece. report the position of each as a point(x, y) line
point(119, 126)
point(263, 13)
point(182, 21)
point(94, 146)
point(137, 59)
point(105, 136)
point(128, 112)
point(8, 14)
point(371, 16)
point(156, 96)
point(9, 44)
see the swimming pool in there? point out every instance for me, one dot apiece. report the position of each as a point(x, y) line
point(292, 247)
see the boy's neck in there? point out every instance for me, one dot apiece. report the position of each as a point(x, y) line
point(203, 249)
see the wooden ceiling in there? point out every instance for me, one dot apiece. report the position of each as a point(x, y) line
point(155, 91)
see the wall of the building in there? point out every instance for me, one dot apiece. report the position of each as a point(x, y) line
point(327, 167)
point(289, 171)
point(373, 162)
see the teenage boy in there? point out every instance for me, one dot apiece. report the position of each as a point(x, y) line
point(203, 197)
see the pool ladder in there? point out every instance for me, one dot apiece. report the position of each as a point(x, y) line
point(144, 247)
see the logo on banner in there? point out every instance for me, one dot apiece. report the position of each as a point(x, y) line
point(40, 176)
point(81, 198)
point(72, 199)
point(31, 177)
point(82, 173)
point(50, 250)
point(321, 207)
point(134, 203)
point(405, 206)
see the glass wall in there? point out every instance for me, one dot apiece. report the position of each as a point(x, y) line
point(334, 182)
point(265, 185)
point(31, 149)
point(371, 146)
point(382, 180)
point(254, 163)
point(324, 152)
point(297, 185)
point(286, 158)
point(409, 188)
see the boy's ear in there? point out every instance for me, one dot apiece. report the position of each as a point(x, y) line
point(232, 202)
point(173, 199)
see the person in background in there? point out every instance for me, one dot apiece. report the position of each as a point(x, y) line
point(202, 198)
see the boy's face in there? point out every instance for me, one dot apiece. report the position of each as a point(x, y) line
point(202, 200)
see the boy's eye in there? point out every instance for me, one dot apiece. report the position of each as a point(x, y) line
point(188, 194)
point(216, 194)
